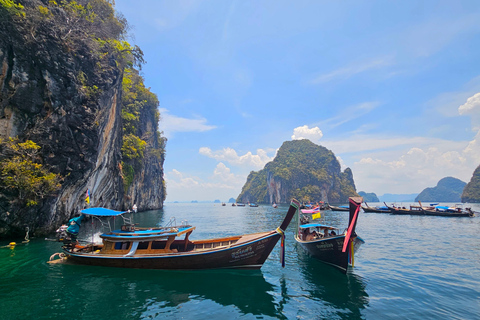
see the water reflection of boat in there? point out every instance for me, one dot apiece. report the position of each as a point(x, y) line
point(165, 294)
point(247, 290)
point(159, 248)
point(327, 243)
point(343, 296)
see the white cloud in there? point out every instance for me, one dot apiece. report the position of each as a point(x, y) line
point(178, 180)
point(222, 184)
point(304, 132)
point(416, 169)
point(223, 173)
point(170, 124)
point(472, 151)
point(472, 108)
point(229, 155)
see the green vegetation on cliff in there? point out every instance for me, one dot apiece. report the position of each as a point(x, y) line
point(471, 192)
point(23, 179)
point(448, 189)
point(137, 102)
point(301, 170)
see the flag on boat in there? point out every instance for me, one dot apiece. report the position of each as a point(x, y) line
point(316, 216)
point(87, 197)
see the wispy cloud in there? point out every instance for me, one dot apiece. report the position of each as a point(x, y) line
point(170, 124)
point(171, 14)
point(368, 143)
point(350, 113)
point(353, 69)
point(428, 38)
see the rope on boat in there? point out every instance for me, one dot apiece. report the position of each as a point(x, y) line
point(60, 255)
point(27, 237)
point(280, 231)
point(282, 246)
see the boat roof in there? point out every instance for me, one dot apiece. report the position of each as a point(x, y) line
point(147, 234)
point(316, 225)
point(102, 212)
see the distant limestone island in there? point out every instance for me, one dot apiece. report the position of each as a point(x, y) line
point(368, 197)
point(448, 189)
point(301, 170)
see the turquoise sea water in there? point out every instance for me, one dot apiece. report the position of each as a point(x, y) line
point(410, 267)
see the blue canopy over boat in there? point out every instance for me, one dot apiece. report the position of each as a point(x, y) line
point(142, 235)
point(102, 212)
point(316, 225)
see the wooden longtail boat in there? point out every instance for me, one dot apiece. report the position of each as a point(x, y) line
point(413, 210)
point(159, 248)
point(377, 209)
point(444, 211)
point(326, 243)
point(439, 211)
point(339, 208)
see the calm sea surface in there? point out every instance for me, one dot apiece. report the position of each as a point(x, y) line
point(410, 267)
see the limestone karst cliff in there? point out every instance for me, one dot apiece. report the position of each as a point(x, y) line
point(62, 79)
point(301, 170)
point(471, 192)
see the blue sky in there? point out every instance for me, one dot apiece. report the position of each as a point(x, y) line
point(391, 87)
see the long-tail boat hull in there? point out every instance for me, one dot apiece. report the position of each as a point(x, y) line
point(324, 243)
point(159, 248)
point(329, 251)
point(467, 213)
point(250, 254)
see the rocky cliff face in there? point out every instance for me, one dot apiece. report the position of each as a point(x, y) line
point(64, 96)
point(471, 192)
point(300, 170)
